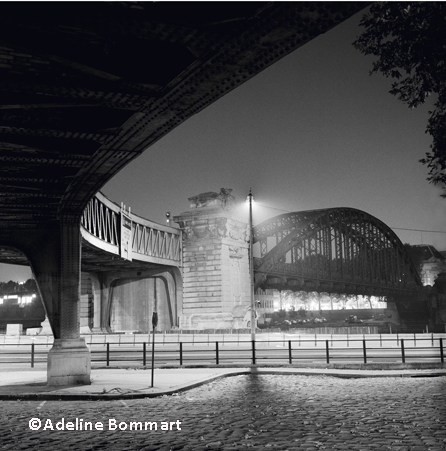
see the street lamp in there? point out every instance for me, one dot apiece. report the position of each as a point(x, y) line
point(251, 269)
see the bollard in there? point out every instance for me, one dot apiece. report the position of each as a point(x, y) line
point(403, 355)
point(364, 351)
point(290, 356)
point(327, 352)
point(108, 354)
point(441, 351)
point(181, 353)
point(253, 352)
point(144, 353)
point(32, 355)
point(216, 353)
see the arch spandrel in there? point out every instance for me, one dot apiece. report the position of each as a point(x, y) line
point(352, 247)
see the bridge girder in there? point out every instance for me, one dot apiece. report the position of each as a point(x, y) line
point(86, 87)
point(341, 250)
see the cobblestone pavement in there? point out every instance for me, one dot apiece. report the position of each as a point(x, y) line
point(244, 412)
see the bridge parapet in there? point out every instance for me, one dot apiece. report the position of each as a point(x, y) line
point(102, 223)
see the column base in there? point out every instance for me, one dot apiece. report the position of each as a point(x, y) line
point(99, 330)
point(69, 362)
point(84, 330)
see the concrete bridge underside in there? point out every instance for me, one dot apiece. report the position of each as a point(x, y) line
point(118, 295)
point(86, 87)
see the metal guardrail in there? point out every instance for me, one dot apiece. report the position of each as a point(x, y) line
point(285, 351)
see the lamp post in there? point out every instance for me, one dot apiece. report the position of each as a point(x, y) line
point(251, 270)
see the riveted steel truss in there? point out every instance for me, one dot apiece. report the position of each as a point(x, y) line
point(102, 220)
point(340, 250)
point(151, 242)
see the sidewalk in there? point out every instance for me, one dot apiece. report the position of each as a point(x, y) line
point(107, 384)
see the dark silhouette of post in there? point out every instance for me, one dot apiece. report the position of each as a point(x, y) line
point(154, 324)
point(251, 270)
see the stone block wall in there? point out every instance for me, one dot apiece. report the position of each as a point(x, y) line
point(216, 281)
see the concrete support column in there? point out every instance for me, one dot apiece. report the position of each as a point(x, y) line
point(98, 302)
point(54, 253)
point(69, 359)
point(70, 274)
point(101, 285)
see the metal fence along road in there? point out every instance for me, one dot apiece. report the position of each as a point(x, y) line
point(183, 350)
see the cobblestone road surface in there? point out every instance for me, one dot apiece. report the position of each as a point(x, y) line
point(245, 412)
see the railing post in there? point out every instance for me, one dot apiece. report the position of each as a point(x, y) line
point(253, 352)
point(216, 352)
point(144, 353)
point(108, 354)
point(290, 356)
point(441, 350)
point(327, 352)
point(181, 353)
point(32, 355)
point(364, 351)
point(403, 356)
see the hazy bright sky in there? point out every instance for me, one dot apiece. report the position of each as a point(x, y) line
point(313, 131)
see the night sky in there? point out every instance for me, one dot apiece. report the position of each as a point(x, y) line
point(313, 131)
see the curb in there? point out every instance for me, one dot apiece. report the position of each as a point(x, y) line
point(253, 370)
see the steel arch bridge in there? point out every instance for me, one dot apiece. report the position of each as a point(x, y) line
point(335, 250)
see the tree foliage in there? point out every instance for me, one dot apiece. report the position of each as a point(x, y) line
point(11, 287)
point(417, 256)
point(409, 39)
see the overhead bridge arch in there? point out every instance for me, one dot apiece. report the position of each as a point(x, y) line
point(339, 250)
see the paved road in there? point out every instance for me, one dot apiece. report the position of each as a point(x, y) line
point(245, 412)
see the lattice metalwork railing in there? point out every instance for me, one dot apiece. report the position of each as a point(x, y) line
point(156, 243)
point(151, 242)
point(101, 221)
